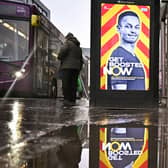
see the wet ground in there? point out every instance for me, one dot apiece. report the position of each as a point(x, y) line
point(43, 133)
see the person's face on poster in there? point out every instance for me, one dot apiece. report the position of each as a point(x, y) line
point(129, 29)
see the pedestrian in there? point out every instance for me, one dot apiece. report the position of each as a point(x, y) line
point(71, 61)
point(126, 70)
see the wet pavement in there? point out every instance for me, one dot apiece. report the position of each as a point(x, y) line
point(43, 133)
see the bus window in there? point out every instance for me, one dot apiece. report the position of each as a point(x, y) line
point(14, 40)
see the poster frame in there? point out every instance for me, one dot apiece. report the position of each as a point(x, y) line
point(120, 98)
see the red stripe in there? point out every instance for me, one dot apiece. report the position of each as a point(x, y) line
point(147, 71)
point(108, 25)
point(101, 71)
point(102, 129)
point(144, 165)
point(145, 30)
point(147, 13)
point(100, 145)
point(102, 87)
point(109, 44)
point(146, 145)
point(102, 165)
point(143, 48)
point(112, 21)
point(105, 8)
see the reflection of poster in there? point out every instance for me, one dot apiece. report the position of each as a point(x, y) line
point(125, 35)
point(123, 148)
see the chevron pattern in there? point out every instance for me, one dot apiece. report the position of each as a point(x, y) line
point(110, 38)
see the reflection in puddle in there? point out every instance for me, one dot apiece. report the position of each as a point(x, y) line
point(15, 123)
point(41, 133)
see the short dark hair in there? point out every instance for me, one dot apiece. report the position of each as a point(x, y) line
point(127, 13)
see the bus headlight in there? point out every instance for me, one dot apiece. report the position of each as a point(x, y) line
point(19, 74)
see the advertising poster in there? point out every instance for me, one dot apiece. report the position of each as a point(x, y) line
point(123, 148)
point(125, 46)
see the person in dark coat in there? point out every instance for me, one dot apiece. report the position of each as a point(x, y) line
point(71, 59)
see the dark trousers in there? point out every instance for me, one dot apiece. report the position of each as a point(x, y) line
point(69, 84)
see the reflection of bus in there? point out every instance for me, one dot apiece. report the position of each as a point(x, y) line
point(29, 45)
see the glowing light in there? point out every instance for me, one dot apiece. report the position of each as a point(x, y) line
point(14, 124)
point(22, 34)
point(10, 27)
point(54, 54)
point(19, 74)
point(23, 70)
point(6, 25)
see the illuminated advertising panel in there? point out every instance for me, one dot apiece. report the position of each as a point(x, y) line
point(123, 147)
point(125, 45)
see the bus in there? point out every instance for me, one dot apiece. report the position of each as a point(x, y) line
point(29, 46)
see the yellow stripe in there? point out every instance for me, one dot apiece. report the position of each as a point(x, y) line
point(145, 61)
point(101, 135)
point(142, 16)
point(103, 155)
point(108, 35)
point(144, 156)
point(141, 160)
point(144, 39)
point(146, 136)
point(146, 83)
point(104, 159)
point(106, 56)
point(102, 81)
point(142, 57)
point(108, 15)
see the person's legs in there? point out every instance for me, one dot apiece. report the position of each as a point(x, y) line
point(75, 74)
point(66, 86)
point(69, 84)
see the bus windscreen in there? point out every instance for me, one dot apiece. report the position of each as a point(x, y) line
point(14, 42)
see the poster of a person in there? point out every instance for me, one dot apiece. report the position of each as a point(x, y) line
point(127, 66)
point(128, 71)
point(123, 147)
